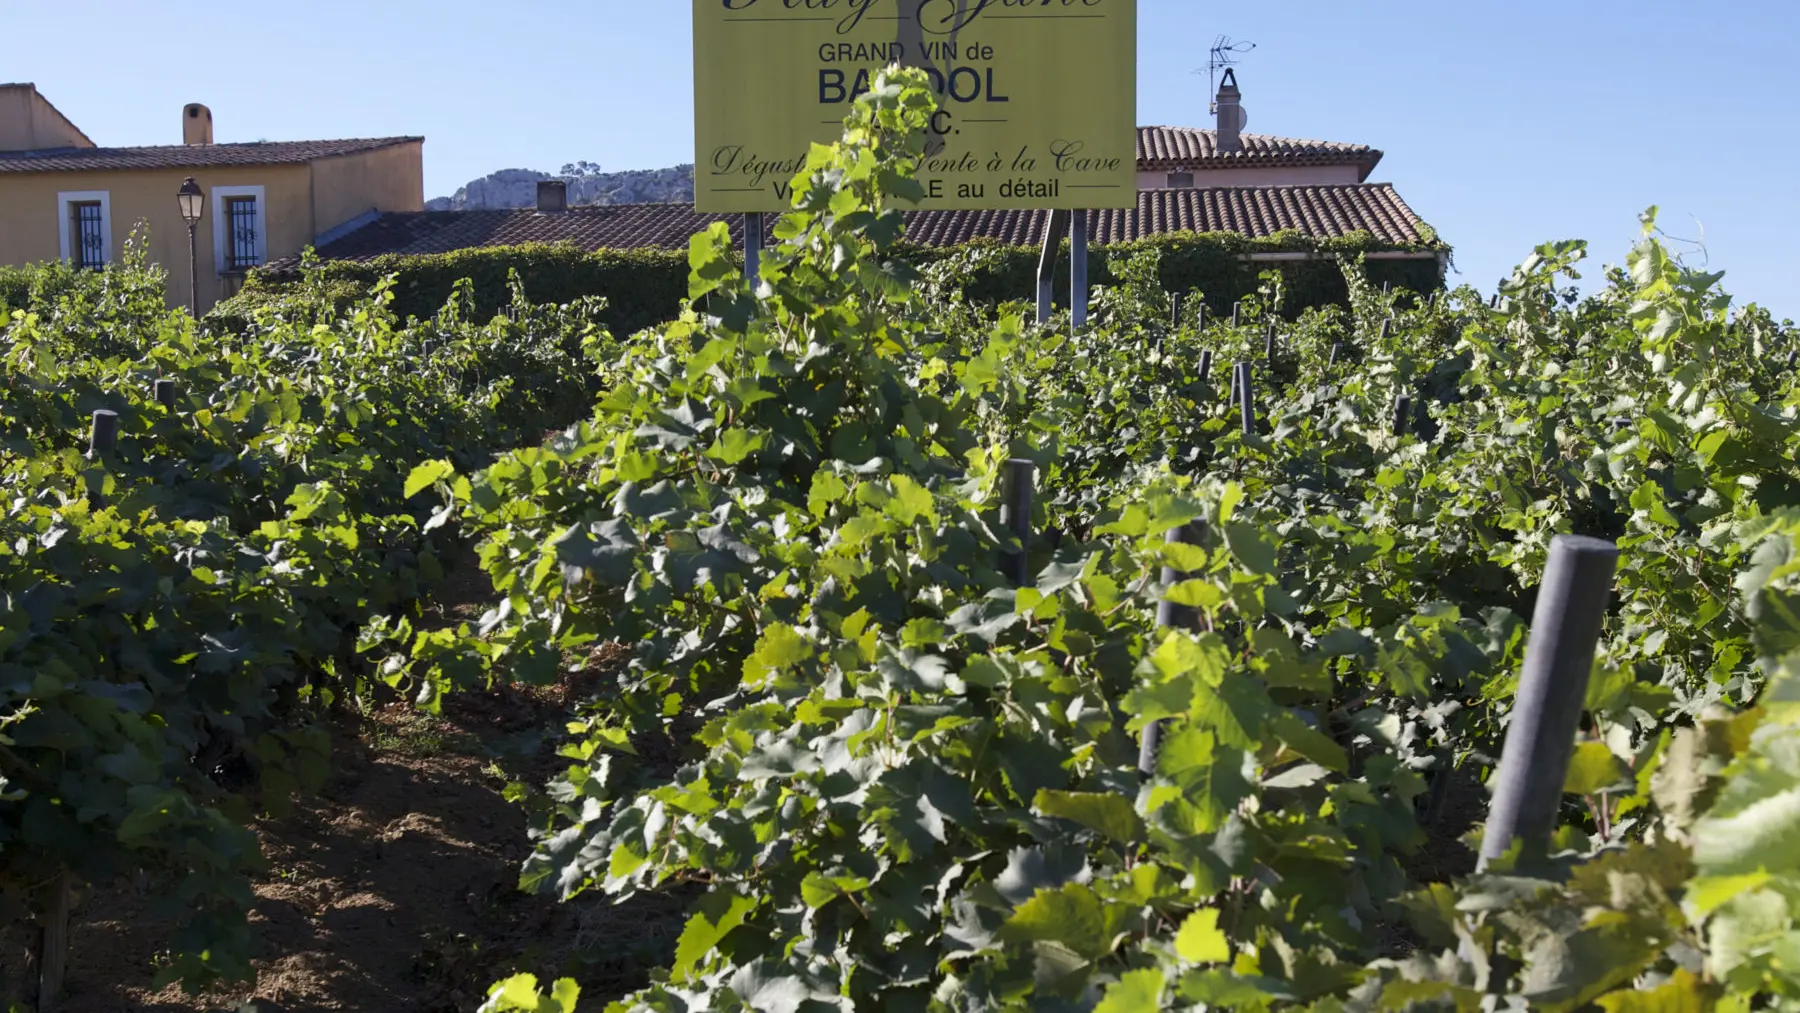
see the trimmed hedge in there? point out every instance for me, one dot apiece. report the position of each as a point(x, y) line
point(1212, 263)
point(644, 288)
point(15, 289)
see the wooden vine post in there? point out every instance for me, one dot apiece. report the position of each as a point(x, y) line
point(1246, 399)
point(1540, 739)
point(1015, 516)
point(53, 945)
point(1169, 615)
point(103, 438)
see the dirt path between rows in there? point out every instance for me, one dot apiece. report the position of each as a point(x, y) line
point(395, 889)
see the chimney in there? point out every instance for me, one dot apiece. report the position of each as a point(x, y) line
point(553, 196)
point(1231, 114)
point(196, 124)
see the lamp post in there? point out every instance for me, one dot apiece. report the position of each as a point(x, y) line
point(193, 205)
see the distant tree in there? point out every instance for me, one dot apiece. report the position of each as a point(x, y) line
point(579, 169)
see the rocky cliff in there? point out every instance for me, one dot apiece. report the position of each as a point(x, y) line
point(517, 188)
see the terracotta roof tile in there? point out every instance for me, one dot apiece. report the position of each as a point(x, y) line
point(1162, 148)
point(1316, 211)
point(186, 156)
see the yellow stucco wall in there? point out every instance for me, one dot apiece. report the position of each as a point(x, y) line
point(31, 227)
point(387, 179)
point(301, 202)
point(28, 121)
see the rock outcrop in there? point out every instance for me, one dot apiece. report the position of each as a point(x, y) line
point(517, 188)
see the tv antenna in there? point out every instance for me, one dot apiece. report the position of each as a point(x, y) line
point(1223, 56)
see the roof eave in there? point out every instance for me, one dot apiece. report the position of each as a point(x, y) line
point(1369, 164)
point(374, 144)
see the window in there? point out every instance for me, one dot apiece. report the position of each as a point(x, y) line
point(86, 228)
point(1181, 181)
point(240, 228)
point(87, 246)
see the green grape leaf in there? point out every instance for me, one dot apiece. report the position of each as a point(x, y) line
point(718, 913)
point(1253, 548)
point(1683, 993)
point(1135, 992)
point(1594, 769)
point(1071, 915)
point(1200, 941)
point(1112, 816)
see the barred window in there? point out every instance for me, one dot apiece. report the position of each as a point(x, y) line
point(242, 229)
point(87, 235)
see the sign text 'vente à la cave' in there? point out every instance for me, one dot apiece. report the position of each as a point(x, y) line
point(1037, 98)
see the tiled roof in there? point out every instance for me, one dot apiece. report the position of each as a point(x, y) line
point(1319, 212)
point(189, 156)
point(1160, 148)
point(1316, 211)
point(613, 226)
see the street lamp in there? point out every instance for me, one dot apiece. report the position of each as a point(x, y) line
point(193, 205)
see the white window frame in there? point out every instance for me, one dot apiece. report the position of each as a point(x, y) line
point(65, 227)
point(221, 242)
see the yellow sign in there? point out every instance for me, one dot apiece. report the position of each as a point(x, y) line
point(1038, 98)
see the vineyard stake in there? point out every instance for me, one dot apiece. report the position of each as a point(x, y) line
point(164, 393)
point(1078, 269)
point(1175, 311)
point(103, 438)
point(1205, 364)
point(1269, 344)
point(1200, 316)
point(1791, 357)
point(1236, 310)
point(1015, 516)
point(1246, 400)
point(1046, 272)
point(753, 246)
point(1402, 413)
point(1439, 780)
point(1565, 627)
point(1336, 348)
point(53, 950)
point(1169, 614)
point(1387, 328)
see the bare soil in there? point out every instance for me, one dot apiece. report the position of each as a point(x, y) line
point(395, 889)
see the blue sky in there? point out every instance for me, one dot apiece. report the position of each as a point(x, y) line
point(1504, 124)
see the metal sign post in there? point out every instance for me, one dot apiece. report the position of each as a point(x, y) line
point(1046, 272)
point(1078, 269)
point(753, 246)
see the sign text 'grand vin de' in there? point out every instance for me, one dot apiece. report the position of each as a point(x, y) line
point(1038, 98)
